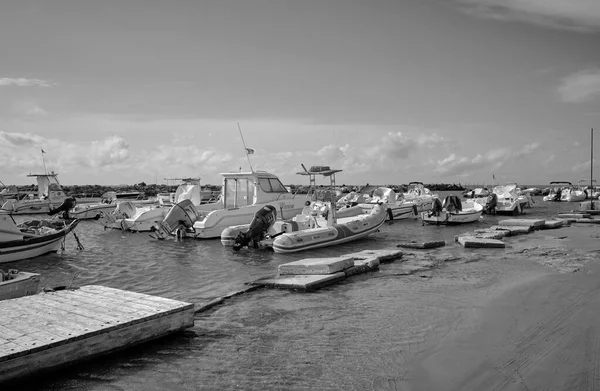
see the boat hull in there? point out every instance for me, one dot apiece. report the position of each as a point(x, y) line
point(446, 218)
point(19, 285)
point(313, 238)
point(17, 250)
point(91, 211)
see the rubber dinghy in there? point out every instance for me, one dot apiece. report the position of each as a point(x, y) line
point(336, 232)
point(452, 211)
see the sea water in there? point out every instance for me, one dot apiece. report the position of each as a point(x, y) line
point(198, 271)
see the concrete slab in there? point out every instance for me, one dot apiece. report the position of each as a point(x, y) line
point(303, 282)
point(513, 230)
point(588, 221)
point(574, 215)
point(422, 245)
point(317, 265)
point(473, 242)
point(383, 255)
point(535, 223)
point(552, 224)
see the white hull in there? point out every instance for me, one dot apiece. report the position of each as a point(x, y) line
point(91, 211)
point(401, 211)
point(19, 285)
point(446, 218)
point(33, 207)
point(358, 227)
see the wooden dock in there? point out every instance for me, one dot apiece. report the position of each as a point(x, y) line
point(52, 329)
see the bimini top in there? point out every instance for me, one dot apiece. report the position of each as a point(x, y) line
point(561, 183)
point(318, 170)
point(416, 183)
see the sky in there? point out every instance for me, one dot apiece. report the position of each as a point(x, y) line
point(389, 91)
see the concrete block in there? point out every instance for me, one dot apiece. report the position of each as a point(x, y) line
point(534, 223)
point(588, 221)
point(422, 245)
point(360, 268)
point(303, 282)
point(497, 234)
point(317, 265)
point(370, 262)
point(574, 215)
point(473, 242)
point(513, 230)
point(383, 255)
point(551, 224)
point(588, 207)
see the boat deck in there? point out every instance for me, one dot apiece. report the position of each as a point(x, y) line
point(52, 329)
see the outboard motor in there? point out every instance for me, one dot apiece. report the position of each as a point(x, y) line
point(492, 201)
point(436, 207)
point(183, 214)
point(452, 203)
point(67, 205)
point(264, 218)
point(558, 195)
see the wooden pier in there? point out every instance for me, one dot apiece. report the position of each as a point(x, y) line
point(52, 329)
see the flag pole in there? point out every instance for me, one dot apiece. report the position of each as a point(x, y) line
point(245, 149)
point(44, 161)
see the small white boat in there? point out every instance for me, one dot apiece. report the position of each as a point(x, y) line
point(452, 211)
point(396, 207)
point(479, 192)
point(337, 231)
point(420, 196)
point(556, 188)
point(509, 200)
point(31, 238)
point(49, 196)
point(108, 203)
point(15, 283)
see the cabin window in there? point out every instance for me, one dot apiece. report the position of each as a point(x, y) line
point(272, 185)
point(238, 192)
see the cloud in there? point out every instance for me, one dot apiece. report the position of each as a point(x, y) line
point(28, 109)
point(581, 86)
point(22, 82)
point(574, 15)
point(19, 140)
point(331, 153)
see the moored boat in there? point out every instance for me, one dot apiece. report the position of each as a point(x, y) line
point(49, 195)
point(420, 196)
point(15, 283)
point(31, 238)
point(452, 211)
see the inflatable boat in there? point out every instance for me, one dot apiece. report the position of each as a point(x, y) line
point(452, 211)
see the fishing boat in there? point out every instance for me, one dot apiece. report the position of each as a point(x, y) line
point(49, 196)
point(242, 194)
point(15, 283)
point(452, 211)
point(31, 238)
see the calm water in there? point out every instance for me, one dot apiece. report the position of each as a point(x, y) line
point(195, 271)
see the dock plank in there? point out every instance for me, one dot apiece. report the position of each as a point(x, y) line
point(57, 328)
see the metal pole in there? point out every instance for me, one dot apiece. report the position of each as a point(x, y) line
point(592, 170)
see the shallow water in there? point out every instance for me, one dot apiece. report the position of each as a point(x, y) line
point(197, 271)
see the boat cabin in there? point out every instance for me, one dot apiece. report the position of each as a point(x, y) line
point(248, 188)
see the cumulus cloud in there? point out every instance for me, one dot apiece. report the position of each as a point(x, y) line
point(108, 152)
point(573, 15)
point(23, 82)
point(333, 153)
point(581, 86)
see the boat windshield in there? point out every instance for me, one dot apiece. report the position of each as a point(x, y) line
point(271, 185)
point(238, 192)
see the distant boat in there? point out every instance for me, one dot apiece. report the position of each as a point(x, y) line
point(49, 196)
point(420, 196)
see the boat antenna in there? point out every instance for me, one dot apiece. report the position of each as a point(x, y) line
point(592, 170)
point(249, 151)
point(44, 161)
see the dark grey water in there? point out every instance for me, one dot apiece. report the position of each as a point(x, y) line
point(199, 271)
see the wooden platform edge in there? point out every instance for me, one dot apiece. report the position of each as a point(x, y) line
point(89, 346)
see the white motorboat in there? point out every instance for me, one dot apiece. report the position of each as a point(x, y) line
point(31, 238)
point(396, 207)
point(138, 216)
point(556, 188)
point(49, 196)
point(572, 194)
point(452, 211)
point(242, 195)
point(479, 192)
point(505, 199)
point(420, 196)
